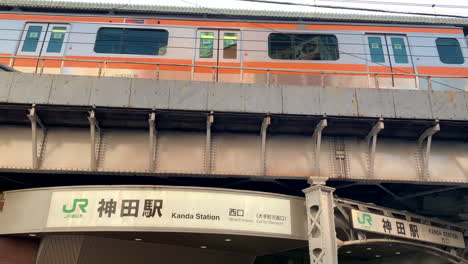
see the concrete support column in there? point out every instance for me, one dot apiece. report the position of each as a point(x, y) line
point(321, 225)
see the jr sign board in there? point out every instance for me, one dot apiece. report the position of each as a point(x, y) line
point(170, 209)
point(411, 230)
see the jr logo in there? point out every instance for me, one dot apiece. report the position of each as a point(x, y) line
point(365, 218)
point(82, 203)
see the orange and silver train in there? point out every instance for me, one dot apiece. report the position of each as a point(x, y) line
point(241, 51)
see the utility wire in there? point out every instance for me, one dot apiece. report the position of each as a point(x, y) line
point(345, 53)
point(359, 57)
point(260, 24)
point(15, 181)
point(353, 8)
point(403, 4)
point(144, 44)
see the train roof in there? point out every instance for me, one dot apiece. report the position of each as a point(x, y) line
point(260, 12)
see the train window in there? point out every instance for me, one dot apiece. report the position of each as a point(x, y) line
point(399, 50)
point(56, 39)
point(230, 46)
point(376, 50)
point(449, 51)
point(131, 41)
point(302, 47)
point(32, 39)
point(206, 44)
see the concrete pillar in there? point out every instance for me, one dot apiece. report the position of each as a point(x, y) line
point(321, 225)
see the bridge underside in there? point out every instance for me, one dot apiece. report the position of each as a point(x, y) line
point(149, 142)
point(405, 150)
point(228, 153)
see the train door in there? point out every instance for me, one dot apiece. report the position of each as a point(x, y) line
point(41, 48)
point(217, 56)
point(390, 54)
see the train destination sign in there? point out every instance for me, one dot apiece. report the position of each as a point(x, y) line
point(411, 230)
point(170, 209)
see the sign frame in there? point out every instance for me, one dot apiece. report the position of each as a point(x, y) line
point(167, 208)
point(391, 226)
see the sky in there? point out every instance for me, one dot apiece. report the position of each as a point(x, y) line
point(451, 7)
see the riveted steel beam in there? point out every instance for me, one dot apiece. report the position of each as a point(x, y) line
point(94, 126)
point(371, 141)
point(321, 225)
point(266, 122)
point(209, 122)
point(35, 120)
point(152, 141)
point(426, 154)
point(317, 137)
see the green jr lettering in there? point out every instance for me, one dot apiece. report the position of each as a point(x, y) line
point(365, 218)
point(82, 203)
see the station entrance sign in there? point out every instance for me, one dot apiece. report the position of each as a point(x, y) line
point(410, 230)
point(186, 209)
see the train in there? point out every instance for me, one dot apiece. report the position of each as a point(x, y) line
point(236, 50)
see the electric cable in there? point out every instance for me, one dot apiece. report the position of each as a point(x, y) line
point(353, 8)
point(273, 30)
point(400, 3)
point(365, 59)
point(15, 181)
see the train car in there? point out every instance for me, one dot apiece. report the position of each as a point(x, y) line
point(237, 50)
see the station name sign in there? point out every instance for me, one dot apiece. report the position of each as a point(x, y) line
point(170, 209)
point(410, 230)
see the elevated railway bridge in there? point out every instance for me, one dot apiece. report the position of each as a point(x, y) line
point(400, 155)
point(159, 134)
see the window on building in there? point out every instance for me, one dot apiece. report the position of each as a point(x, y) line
point(56, 39)
point(302, 47)
point(376, 49)
point(32, 39)
point(449, 51)
point(131, 41)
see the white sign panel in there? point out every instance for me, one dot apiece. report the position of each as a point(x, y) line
point(170, 209)
point(410, 230)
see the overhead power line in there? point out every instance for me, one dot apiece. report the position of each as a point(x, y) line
point(273, 30)
point(354, 8)
point(374, 2)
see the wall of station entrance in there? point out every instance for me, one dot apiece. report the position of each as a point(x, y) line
point(142, 224)
point(96, 250)
point(146, 209)
point(16, 250)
